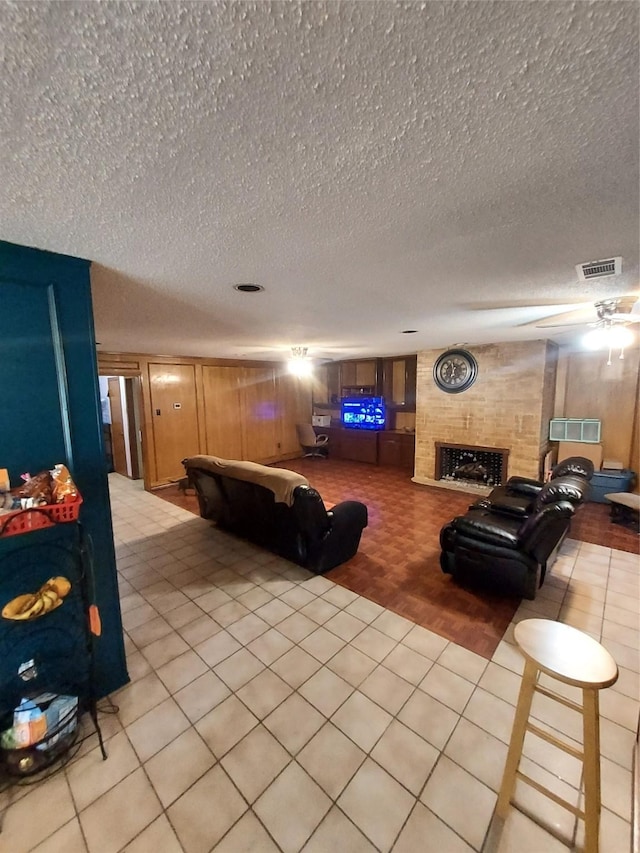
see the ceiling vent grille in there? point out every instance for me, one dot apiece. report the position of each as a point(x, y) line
point(599, 269)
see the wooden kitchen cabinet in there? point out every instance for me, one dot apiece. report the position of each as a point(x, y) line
point(399, 381)
point(396, 449)
point(388, 447)
point(359, 446)
point(360, 377)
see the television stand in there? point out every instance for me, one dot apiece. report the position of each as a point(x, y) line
point(359, 445)
point(393, 448)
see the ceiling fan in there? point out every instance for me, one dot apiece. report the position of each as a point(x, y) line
point(620, 310)
point(611, 328)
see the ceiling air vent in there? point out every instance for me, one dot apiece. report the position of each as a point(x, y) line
point(599, 269)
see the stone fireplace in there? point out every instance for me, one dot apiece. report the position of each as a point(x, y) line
point(507, 410)
point(464, 463)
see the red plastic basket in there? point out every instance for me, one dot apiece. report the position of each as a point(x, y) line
point(27, 520)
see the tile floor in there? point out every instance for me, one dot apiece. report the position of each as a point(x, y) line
point(397, 564)
point(272, 710)
point(398, 561)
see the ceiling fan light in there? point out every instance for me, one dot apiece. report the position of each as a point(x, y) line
point(620, 337)
point(609, 337)
point(300, 367)
point(300, 364)
point(595, 339)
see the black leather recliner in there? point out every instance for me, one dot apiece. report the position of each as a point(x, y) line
point(511, 550)
point(578, 466)
point(522, 491)
point(569, 487)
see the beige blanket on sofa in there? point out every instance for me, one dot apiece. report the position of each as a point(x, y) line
point(278, 480)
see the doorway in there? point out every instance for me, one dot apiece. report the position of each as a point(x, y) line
point(121, 401)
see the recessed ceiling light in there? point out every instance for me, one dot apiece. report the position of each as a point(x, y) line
point(248, 288)
point(409, 332)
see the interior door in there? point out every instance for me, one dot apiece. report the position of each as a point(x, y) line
point(118, 448)
point(133, 400)
point(174, 417)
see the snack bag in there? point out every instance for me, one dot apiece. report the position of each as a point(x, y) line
point(63, 487)
point(37, 488)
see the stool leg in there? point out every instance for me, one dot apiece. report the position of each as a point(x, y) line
point(517, 738)
point(591, 747)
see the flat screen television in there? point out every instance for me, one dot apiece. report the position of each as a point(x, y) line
point(363, 412)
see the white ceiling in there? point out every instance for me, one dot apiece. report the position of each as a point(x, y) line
point(376, 166)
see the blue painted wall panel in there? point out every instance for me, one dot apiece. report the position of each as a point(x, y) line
point(50, 410)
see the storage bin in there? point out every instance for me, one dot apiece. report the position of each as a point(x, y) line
point(25, 520)
point(607, 481)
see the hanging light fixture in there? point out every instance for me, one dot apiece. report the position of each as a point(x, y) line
point(299, 363)
point(609, 336)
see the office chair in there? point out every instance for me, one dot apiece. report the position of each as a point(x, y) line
point(312, 444)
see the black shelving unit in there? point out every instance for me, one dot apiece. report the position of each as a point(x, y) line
point(52, 654)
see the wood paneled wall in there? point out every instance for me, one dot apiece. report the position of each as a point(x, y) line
point(258, 412)
point(593, 389)
point(221, 404)
point(232, 409)
point(635, 438)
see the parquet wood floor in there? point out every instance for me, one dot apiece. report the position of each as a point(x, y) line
point(397, 564)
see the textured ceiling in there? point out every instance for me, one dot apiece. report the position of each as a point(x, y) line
point(376, 166)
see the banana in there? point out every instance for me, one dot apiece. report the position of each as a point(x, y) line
point(35, 610)
point(59, 584)
point(26, 605)
point(13, 608)
point(50, 599)
point(31, 605)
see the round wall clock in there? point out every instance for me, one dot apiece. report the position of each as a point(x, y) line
point(455, 371)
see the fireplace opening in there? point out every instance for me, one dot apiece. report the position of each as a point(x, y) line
point(471, 465)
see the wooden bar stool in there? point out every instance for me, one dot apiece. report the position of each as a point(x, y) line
point(570, 656)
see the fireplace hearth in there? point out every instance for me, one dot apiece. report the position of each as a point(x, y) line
point(465, 463)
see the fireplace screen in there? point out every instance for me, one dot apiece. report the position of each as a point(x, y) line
point(485, 466)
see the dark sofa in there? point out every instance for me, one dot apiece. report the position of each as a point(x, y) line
point(509, 547)
point(276, 509)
